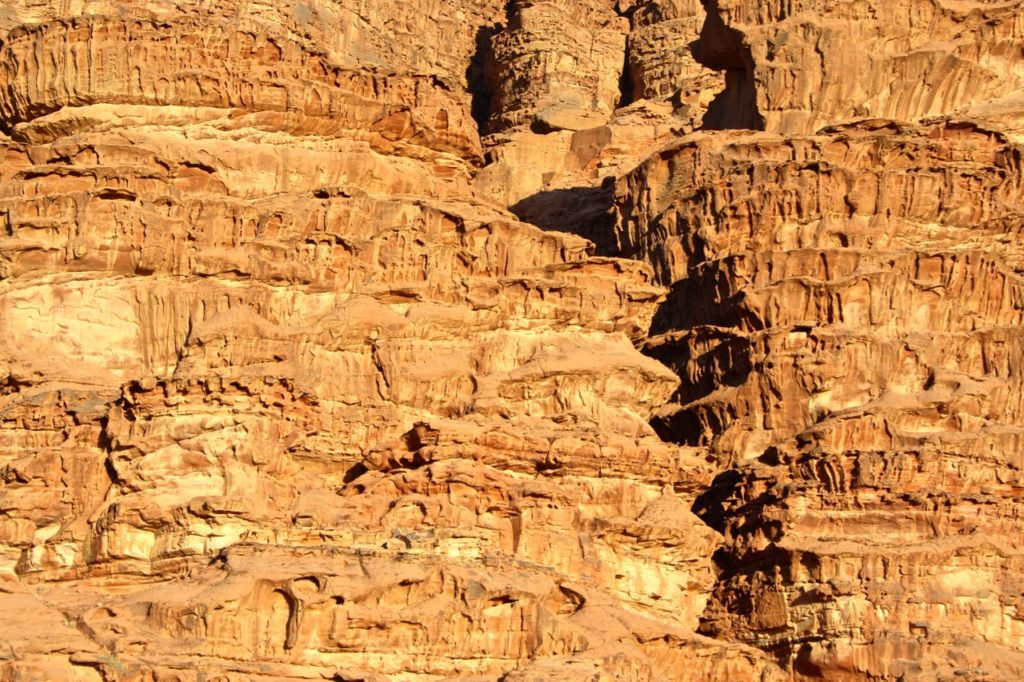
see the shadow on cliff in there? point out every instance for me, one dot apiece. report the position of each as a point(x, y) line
point(476, 76)
point(690, 331)
point(722, 48)
point(743, 575)
point(704, 300)
point(584, 211)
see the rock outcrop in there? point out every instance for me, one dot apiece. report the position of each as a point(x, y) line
point(283, 398)
point(321, 327)
point(795, 66)
point(846, 317)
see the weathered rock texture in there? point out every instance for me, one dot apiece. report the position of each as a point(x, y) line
point(845, 315)
point(294, 385)
point(284, 399)
point(793, 66)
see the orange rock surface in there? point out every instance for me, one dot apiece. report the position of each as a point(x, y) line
point(640, 340)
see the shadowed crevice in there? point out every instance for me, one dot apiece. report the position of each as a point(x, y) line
point(626, 85)
point(479, 89)
point(627, 88)
point(723, 48)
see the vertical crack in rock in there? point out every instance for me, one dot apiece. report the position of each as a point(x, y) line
point(476, 76)
point(627, 88)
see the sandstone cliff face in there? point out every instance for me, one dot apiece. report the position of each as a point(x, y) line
point(293, 385)
point(282, 398)
point(844, 317)
point(793, 67)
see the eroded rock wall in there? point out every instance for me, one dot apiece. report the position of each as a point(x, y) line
point(844, 315)
point(802, 64)
point(283, 398)
point(294, 383)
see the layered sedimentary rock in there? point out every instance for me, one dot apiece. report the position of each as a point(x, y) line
point(846, 317)
point(660, 61)
point(568, 116)
point(793, 67)
point(556, 67)
point(293, 386)
point(283, 399)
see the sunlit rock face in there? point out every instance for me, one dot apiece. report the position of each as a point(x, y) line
point(844, 315)
point(510, 341)
point(795, 66)
point(285, 397)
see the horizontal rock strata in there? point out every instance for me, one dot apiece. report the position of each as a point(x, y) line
point(793, 67)
point(283, 398)
point(321, 326)
point(845, 316)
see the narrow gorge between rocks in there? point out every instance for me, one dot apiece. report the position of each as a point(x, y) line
point(511, 340)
